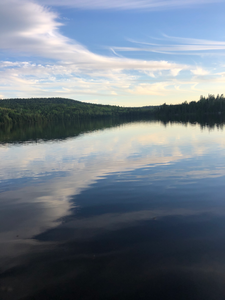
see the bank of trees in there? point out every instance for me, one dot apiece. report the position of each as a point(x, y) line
point(206, 105)
point(40, 110)
point(36, 110)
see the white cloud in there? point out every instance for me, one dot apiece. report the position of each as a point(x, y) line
point(150, 89)
point(199, 71)
point(32, 29)
point(222, 74)
point(194, 41)
point(26, 79)
point(184, 46)
point(72, 70)
point(175, 72)
point(127, 4)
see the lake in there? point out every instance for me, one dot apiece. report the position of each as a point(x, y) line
point(113, 209)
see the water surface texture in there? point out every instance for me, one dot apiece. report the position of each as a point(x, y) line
point(116, 210)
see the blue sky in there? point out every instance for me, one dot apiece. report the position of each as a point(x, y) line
point(122, 52)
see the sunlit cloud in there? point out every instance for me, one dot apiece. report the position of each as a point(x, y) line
point(199, 71)
point(150, 89)
point(33, 30)
point(27, 79)
point(70, 69)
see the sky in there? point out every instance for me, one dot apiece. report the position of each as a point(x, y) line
point(121, 52)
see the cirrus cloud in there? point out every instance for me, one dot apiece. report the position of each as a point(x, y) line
point(127, 4)
point(34, 30)
point(55, 63)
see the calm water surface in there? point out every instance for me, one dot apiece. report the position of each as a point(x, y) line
point(131, 211)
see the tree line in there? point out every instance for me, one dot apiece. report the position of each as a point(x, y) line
point(206, 105)
point(34, 110)
point(44, 110)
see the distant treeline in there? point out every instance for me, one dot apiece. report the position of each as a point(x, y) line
point(209, 105)
point(34, 110)
point(44, 110)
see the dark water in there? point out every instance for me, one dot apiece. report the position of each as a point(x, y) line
point(113, 209)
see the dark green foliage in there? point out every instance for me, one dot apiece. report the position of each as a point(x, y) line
point(209, 105)
point(34, 110)
point(45, 110)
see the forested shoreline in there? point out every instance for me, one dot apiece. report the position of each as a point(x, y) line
point(44, 110)
point(34, 110)
point(206, 105)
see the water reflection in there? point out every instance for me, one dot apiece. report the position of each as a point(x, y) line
point(134, 211)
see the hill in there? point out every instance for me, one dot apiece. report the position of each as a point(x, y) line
point(35, 110)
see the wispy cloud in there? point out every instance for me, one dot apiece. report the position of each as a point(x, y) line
point(33, 30)
point(127, 4)
point(27, 79)
point(70, 69)
point(194, 41)
point(171, 45)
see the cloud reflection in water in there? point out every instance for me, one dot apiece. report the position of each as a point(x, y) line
point(128, 208)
